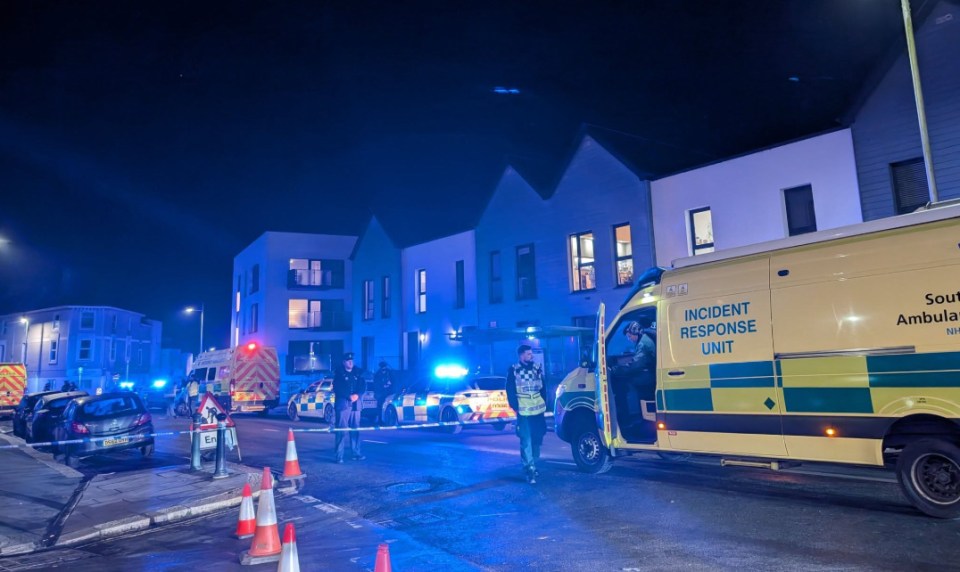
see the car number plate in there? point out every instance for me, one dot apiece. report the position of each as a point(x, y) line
point(111, 442)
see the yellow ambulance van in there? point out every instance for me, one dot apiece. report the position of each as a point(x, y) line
point(839, 346)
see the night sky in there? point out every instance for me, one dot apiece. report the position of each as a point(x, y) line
point(143, 144)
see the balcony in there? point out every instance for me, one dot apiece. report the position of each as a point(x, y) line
point(314, 280)
point(321, 321)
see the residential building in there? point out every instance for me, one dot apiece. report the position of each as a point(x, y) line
point(377, 323)
point(95, 347)
point(797, 187)
point(293, 291)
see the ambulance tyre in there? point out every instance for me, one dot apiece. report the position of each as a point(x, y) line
point(292, 412)
point(449, 415)
point(929, 475)
point(328, 414)
point(588, 450)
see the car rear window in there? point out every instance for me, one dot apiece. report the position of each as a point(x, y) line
point(110, 407)
point(59, 404)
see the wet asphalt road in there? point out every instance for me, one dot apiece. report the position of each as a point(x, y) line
point(458, 502)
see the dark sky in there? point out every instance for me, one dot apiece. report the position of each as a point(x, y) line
point(143, 144)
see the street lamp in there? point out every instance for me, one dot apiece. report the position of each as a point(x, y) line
point(191, 310)
point(26, 330)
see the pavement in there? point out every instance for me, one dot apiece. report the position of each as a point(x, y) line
point(46, 504)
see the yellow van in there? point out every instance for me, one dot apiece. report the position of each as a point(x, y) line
point(839, 346)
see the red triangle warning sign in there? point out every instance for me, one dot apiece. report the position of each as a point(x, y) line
point(209, 409)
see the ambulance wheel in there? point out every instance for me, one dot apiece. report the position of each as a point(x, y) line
point(929, 475)
point(292, 412)
point(449, 415)
point(328, 414)
point(589, 452)
point(390, 418)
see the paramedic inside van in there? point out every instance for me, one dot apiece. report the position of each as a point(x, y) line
point(637, 371)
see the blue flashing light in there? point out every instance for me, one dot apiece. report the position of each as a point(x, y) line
point(450, 371)
point(126, 385)
point(159, 383)
point(506, 90)
point(531, 329)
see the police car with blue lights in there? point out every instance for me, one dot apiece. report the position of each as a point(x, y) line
point(316, 401)
point(451, 397)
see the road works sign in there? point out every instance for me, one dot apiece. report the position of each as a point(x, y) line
point(209, 409)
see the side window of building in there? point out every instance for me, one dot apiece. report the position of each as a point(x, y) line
point(421, 286)
point(496, 278)
point(801, 216)
point(54, 346)
point(86, 350)
point(385, 297)
point(86, 321)
point(700, 223)
point(583, 271)
point(461, 286)
point(254, 318)
point(297, 313)
point(368, 299)
point(526, 273)
point(623, 254)
point(909, 185)
point(255, 278)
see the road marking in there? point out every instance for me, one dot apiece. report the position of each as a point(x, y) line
point(562, 463)
point(327, 508)
point(306, 499)
point(494, 514)
point(354, 524)
point(271, 430)
point(377, 442)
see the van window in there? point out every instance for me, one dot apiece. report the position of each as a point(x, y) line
point(211, 374)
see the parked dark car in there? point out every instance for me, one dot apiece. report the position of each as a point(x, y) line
point(46, 415)
point(106, 423)
point(24, 409)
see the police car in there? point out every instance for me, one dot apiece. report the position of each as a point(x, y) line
point(317, 400)
point(473, 399)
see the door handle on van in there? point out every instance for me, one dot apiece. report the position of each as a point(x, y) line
point(676, 373)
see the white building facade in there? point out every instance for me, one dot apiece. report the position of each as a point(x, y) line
point(790, 189)
point(293, 291)
point(95, 347)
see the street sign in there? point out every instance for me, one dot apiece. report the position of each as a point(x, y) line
point(209, 409)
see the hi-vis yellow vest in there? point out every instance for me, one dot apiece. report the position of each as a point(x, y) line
point(529, 383)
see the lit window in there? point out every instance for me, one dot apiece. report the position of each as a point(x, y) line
point(297, 314)
point(421, 291)
point(582, 261)
point(624, 254)
point(701, 231)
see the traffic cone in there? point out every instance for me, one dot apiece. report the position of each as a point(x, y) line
point(291, 466)
point(247, 523)
point(289, 560)
point(383, 559)
point(265, 546)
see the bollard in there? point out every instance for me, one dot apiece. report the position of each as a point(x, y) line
point(195, 464)
point(221, 470)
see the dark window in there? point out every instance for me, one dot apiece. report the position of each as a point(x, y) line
point(255, 278)
point(421, 301)
point(368, 299)
point(385, 297)
point(496, 278)
point(461, 291)
point(909, 185)
point(526, 273)
point(801, 217)
point(86, 350)
point(254, 318)
point(307, 356)
point(54, 345)
point(701, 231)
point(582, 261)
point(623, 255)
point(86, 321)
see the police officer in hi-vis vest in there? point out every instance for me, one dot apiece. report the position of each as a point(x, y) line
point(527, 395)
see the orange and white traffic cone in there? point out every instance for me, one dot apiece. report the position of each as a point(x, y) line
point(289, 560)
point(265, 546)
point(383, 559)
point(247, 523)
point(291, 466)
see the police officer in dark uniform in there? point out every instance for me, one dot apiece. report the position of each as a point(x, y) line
point(348, 387)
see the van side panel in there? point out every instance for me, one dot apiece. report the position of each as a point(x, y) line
point(716, 382)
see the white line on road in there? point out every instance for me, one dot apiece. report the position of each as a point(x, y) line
point(327, 508)
point(562, 463)
point(271, 430)
point(377, 442)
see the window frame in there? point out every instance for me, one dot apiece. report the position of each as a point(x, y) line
point(53, 350)
point(898, 205)
point(574, 242)
point(420, 287)
point(88, 350)
point(368, 304)
point(707, 247)
point(385, 301)
point(496, 277)
point(617, 258)
point(93, 320)
point(791, 230)
point(254, 278)
point(461, 292)
point(531, 293)
point(254, 318)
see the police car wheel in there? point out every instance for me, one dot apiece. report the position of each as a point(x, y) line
point(929, 474)
point(390, 418)
point(292, 412)
point(589, 452)
point(328, 414)
point(449, 415)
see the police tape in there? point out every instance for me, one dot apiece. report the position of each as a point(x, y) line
point(328, 429)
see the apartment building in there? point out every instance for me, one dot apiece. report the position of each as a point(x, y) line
point(95, 347)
